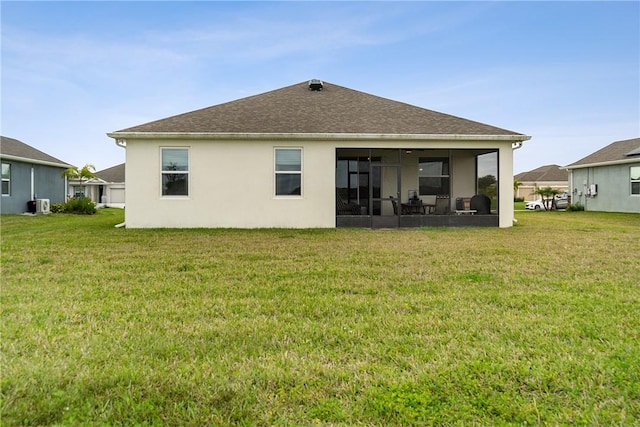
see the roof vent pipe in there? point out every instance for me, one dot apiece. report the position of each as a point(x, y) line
point(315, 84)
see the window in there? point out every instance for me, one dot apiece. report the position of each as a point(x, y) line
point(175, 171)
point(288, 171)
point(634, 173)
point(6, 179)
point(487, 171)
point(433, 175)
point(78, 191)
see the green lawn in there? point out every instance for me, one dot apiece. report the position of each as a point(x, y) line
point(536, 324)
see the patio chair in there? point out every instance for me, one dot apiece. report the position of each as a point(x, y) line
point(442, 206)
point(344, 208)
point(394, 202)
point(430, 202)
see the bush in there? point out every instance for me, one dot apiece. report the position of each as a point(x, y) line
point(57, 207)
point(80, 205)
point(518, 199)
point(575, 207)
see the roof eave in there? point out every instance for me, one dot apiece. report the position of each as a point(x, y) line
point(608, 163)
point(120, 136)
point(34, 161)
point(96, 181)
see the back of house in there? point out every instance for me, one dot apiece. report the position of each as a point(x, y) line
point(295, 157)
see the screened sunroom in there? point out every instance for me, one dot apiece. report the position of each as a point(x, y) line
point(385, 187)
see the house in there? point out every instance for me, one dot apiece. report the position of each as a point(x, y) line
point(31, 179)
point(112, 193)
point(106, 189)
point(314, 154)
point(545, 176)
point(608, 179)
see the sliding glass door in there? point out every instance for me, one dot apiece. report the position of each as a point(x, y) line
point(385, 196)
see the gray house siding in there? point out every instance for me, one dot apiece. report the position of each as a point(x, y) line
point(614, 188)
point(48, 183)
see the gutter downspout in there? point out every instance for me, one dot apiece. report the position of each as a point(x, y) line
point(122, 143)
point(515, 146)
point(33, 184)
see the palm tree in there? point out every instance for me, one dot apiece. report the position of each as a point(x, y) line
point(85, 173)
point(516, 185)
point(548, 197)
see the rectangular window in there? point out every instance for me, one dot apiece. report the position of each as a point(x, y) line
point(433, 176)
point(288, 171)
point(6, 179)
point(634, 174)
point(175, 171)
point(487, 171)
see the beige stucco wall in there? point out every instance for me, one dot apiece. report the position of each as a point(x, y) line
point(527, 188)
point(505, 185)
point(231, 183)
point(463, 171)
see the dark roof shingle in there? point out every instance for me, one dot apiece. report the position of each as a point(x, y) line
point(616, 151)
point(543, 173)
point(13, 147)
point(112, 174)
point(335, 109)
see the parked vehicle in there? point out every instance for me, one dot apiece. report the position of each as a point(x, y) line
point(535, 205)
point(562, 200)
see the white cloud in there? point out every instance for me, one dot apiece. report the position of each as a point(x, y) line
point(79, 84)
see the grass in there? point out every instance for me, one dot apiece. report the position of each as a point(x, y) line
point(537, 324)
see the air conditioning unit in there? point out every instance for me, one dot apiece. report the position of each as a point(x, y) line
point(42, 205)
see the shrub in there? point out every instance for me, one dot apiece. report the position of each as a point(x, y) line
point(80, 205)
point(518, 199)
point(57, 207)
point(575, 207)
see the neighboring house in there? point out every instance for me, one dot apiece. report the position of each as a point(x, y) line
point(609, 179)
point(106, 189)
point(313, 154)
point(545, 176)
point(29, 175)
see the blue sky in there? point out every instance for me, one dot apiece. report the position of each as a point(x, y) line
point(566, 73)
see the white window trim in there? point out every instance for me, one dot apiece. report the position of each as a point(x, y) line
point(300, 172)
point(187, 172)
point(7, 180)
point(631, 181)
point(79, 189)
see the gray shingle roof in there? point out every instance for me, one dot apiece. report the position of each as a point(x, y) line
point(335, 109)
point(112, 174)
point(13, 147)
point(543, 173)
point(616, 151)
